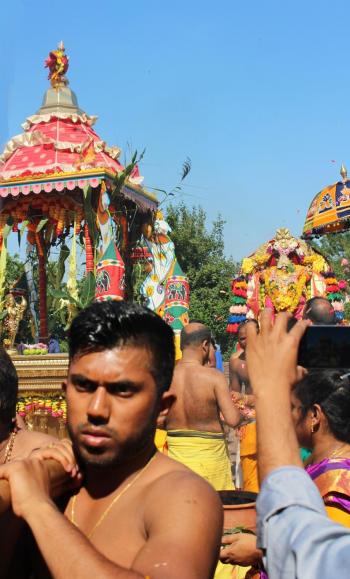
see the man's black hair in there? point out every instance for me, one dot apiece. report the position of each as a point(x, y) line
point(195, 337)
point(320, 311)
point(248, 321)
point(8, 389)
point(107, 325)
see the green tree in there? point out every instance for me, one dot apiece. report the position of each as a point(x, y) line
point(335, 247)
point(200, 252)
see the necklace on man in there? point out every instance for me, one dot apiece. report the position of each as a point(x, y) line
point(113, 502)
point(9, 446)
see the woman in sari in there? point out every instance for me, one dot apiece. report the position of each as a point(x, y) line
point(321, 415)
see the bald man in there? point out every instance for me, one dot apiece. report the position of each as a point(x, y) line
point(320, 311)
point(195, 434)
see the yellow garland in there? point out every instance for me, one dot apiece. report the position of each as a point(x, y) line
point(317, 262)
point(289, 300)
point(247, 265)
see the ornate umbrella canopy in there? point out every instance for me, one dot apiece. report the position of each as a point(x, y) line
point(329, 211)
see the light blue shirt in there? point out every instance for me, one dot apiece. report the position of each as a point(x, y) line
point(294, 531)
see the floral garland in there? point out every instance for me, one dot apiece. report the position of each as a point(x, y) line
point(292, 282)
point(54, 405)
point(238, 310)
point(335, 293)
point(34, 349)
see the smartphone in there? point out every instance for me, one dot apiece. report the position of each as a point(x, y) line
point(325, 347)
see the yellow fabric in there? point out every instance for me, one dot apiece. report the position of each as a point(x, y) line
point(338, 516)
point(223, 571)
point(248, 454)
point(178, 351)
point(207, 457)
point(160, 439)
point(204, 455)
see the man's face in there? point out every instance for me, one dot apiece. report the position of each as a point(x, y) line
point(242, 337)
point(242, 334)
point(112, 404)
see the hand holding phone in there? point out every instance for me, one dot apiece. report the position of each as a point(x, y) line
point(325, 347)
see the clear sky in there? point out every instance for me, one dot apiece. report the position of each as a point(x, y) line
point(256, 93)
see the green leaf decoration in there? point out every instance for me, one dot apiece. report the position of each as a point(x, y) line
point(88, 289)
point(7, 229)
point(23, 227)
point(86, 190)
point(41, 224)
point(58, 294)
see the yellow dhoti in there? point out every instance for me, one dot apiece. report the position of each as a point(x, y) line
point(248, 456)
point(203, 452)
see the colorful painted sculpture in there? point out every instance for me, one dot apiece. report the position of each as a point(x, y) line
point(282, 274)
point(165, 289)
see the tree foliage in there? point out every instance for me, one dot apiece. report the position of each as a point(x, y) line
point(200, 252)
point(336, 247)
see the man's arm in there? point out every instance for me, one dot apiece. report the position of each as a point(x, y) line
point(297, 537)
point(293, 530)
point(184, 527)
point(177, 524)
point(224, 401)
point(272, 367)
point(235, 385)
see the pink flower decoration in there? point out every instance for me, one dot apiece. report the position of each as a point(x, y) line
point(344, 262)
point(342, 284)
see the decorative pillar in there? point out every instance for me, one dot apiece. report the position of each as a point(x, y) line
point(89, 253)
point(42, 287)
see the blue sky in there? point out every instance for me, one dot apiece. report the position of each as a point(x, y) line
point(255, 93)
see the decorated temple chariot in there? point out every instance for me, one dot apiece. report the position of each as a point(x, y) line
point(65, 193)
point(282, 274)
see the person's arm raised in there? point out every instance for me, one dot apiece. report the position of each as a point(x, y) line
point(272, 368)
point(224, 401)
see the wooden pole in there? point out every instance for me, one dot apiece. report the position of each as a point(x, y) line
point(88, 250)
point(59, 482)
point(42, 287)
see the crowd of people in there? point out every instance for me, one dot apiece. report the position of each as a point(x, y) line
point(107, 503)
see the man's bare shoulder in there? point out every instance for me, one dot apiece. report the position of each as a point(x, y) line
point(177, 483)
point(27, 441)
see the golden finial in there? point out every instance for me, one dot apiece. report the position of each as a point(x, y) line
point(343, 172)
point(57, 63)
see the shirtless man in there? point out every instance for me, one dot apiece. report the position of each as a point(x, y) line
point(195, 433)
point(138, 514)
point(243, 397)
point(237, 366)
point(15, 441)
